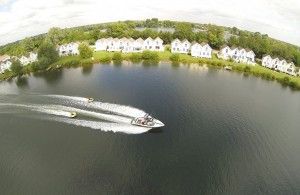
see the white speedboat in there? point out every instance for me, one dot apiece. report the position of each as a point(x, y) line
point(147, 121)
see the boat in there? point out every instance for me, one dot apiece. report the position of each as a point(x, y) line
point(147, 121)
point(48, 68)
point(228, 67)
point(90, 99)
point(58, 66)
point(73, 115)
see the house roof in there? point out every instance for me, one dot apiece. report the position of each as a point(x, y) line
point(140, 40)
point(194, 43)
point(149, 38)
point(203, 44)
point(158, 38)
point(185, 40)
point(4, 57)
point(176, 40)
point(265, 55)
point(223, 47)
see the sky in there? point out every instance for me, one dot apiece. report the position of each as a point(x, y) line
point(279, 19)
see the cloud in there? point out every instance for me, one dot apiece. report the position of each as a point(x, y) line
point(22, 18)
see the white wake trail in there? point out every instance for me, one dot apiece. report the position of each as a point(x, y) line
point(113, 108)
point(41, 109)
point(114, 127)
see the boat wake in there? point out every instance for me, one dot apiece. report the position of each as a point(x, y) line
point(114, 117)
point(105, 126)
point(112, 108)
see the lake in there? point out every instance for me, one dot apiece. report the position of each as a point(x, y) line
point(225, 133)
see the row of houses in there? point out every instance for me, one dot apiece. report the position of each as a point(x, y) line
point(6, 60)
point(237, 54)
point(197, 50)
point(279, 64)
point(129, 45)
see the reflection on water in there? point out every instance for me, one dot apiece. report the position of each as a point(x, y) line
point(225, 133)
point(22, 81)
point(87, 69)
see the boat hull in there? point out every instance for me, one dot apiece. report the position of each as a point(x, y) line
point(144, 123)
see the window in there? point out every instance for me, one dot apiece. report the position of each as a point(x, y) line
point(185, 45)
point(176, 44)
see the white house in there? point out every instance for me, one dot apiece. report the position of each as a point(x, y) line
point(206, 51)
point(178, 46)
point(196, 49)
point(267, 61)
point(101, 44)
point(148, 44)
point(250, 57)
point(5, 65)
point(235, 54)
point(282, 66)
point(158, 44)
point(68, 49)
point(243, 56)
point(137, 45)
point(128, 48)
point(24, 59)
point(290, 69)
point(202, 50)
point(225, 53)
point(33, 56)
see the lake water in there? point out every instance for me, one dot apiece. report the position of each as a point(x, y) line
point(225, 133)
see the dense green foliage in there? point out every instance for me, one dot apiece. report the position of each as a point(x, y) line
point(85, 51)
point(47, 54)
point(216, 36)
point(16, 66)
point(150, 55)
point(117, 56)
point(175, 57)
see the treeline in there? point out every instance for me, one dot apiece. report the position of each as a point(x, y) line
point(212, 34)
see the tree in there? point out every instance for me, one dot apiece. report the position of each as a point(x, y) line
point(119, 29)
point(27, 44)
point(183, 30)
point(47, 54)
point(85, 51)
point(55, 36)
point(167, 37)
point(16, 66)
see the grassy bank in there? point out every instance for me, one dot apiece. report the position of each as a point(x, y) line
point(107, 57)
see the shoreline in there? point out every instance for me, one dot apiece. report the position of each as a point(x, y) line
point(104, 57)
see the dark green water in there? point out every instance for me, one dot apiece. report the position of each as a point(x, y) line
point(225, 133)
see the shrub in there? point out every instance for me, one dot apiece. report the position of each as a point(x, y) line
point(117, 56)
point(239, 68)
point(175, 57)
point(294, 85)
point(201, 61)
point(285, 80)
point(105, 59)
point(214, 63)
point(34, 67)
point(135, 56)
point(150, 55)
point(247, 69)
